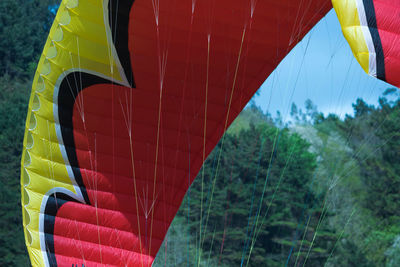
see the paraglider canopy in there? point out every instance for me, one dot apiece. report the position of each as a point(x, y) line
point(129, 99)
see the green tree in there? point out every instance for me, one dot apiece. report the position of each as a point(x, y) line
point(256, 194)
point(13, 105)
point(23, 30)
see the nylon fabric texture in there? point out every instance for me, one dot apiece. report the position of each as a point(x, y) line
point(126, 94)
point(372, 28)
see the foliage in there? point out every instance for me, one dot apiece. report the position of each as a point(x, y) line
point(23, 29)
point(179, 248)
point(257, 198)
point(13, 105)
point(368, 181)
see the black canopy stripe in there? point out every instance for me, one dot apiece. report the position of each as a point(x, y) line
point(118, 14)
point(376, 39)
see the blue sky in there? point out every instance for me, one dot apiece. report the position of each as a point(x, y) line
point(321, 68)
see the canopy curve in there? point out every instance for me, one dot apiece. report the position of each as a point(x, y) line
point(128, 100)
